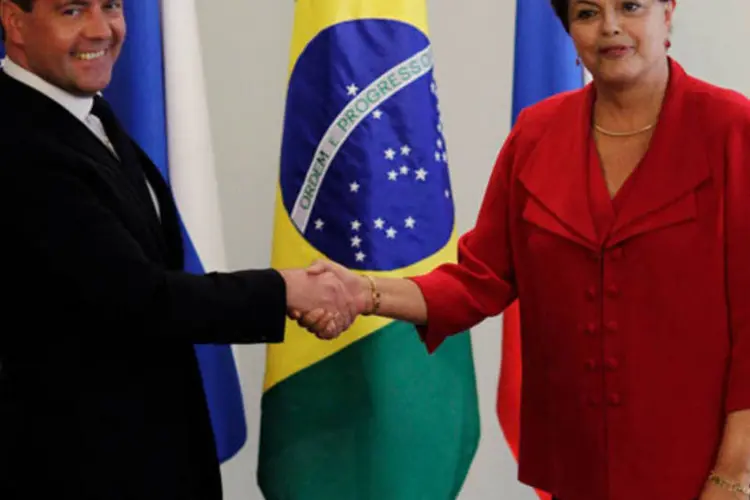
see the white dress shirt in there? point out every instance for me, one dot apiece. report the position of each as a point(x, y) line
point(78, 106)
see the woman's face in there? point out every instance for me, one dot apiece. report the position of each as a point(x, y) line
point(620, 40)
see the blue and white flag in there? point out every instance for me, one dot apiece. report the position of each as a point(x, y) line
point(157, 92)
point(545, 58)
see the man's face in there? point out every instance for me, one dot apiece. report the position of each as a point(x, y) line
point(72, 44)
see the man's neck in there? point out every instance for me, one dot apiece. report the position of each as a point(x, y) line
point(79, 106)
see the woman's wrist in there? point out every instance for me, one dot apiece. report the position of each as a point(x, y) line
point(735, 482)
point(371, 294)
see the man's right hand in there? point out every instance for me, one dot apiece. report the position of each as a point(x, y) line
point(306, 292)
point(320, 320)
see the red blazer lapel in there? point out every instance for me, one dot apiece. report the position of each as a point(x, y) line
point(555, 173)
point(674, 166)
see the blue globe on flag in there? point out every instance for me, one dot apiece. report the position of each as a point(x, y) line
point(364, 163)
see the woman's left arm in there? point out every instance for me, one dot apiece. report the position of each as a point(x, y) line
point(733, 461)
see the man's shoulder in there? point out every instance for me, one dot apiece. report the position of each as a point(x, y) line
point(39, 162)
point(28, 146)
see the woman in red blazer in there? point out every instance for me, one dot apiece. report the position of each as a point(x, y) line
point(619, 215)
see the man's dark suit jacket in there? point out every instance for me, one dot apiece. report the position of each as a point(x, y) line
point(100, 392)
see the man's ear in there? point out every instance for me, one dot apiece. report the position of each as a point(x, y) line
point(13, 19)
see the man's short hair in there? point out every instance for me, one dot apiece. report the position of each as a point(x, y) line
point(24, 4)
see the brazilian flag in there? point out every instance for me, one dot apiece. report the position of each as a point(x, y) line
point(364, 181)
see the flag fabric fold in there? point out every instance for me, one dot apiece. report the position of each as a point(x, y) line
point(157, 92)
point(364, 181)
point(544, 65)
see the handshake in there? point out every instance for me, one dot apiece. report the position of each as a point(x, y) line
point(326, 297)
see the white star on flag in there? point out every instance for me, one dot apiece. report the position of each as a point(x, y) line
point(377, 114)
point(356, 241)
point(379, 223)
point(447, 194)
point(437, 156)
point(404, 170)
point(354, 187)
point(356, 225)
point(445, 156)
point(391, 233)
point(319, 224)
point(440, 144)
point(405, 150)
point(409, 222)
point(421, 174)
point(390, 154)
point(352, 90)
point(360, 256)
point(392, 175)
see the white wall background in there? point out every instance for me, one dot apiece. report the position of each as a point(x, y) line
point(245, 44)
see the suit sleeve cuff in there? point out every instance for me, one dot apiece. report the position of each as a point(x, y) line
point(268, 292)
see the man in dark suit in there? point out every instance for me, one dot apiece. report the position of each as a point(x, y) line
point(100, 392)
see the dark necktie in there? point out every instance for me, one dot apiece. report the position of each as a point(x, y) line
point(129, 161)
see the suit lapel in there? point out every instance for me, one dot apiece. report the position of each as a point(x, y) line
point(170, 222)
point(33, 114)
point(555, 173)
point(129, 162)
point(139, 168)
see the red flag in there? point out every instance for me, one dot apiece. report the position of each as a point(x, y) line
point(545, 64)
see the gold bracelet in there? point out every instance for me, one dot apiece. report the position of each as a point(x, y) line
point(728, 485)
point(375, 297)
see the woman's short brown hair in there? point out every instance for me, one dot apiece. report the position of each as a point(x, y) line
point(561, 9)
